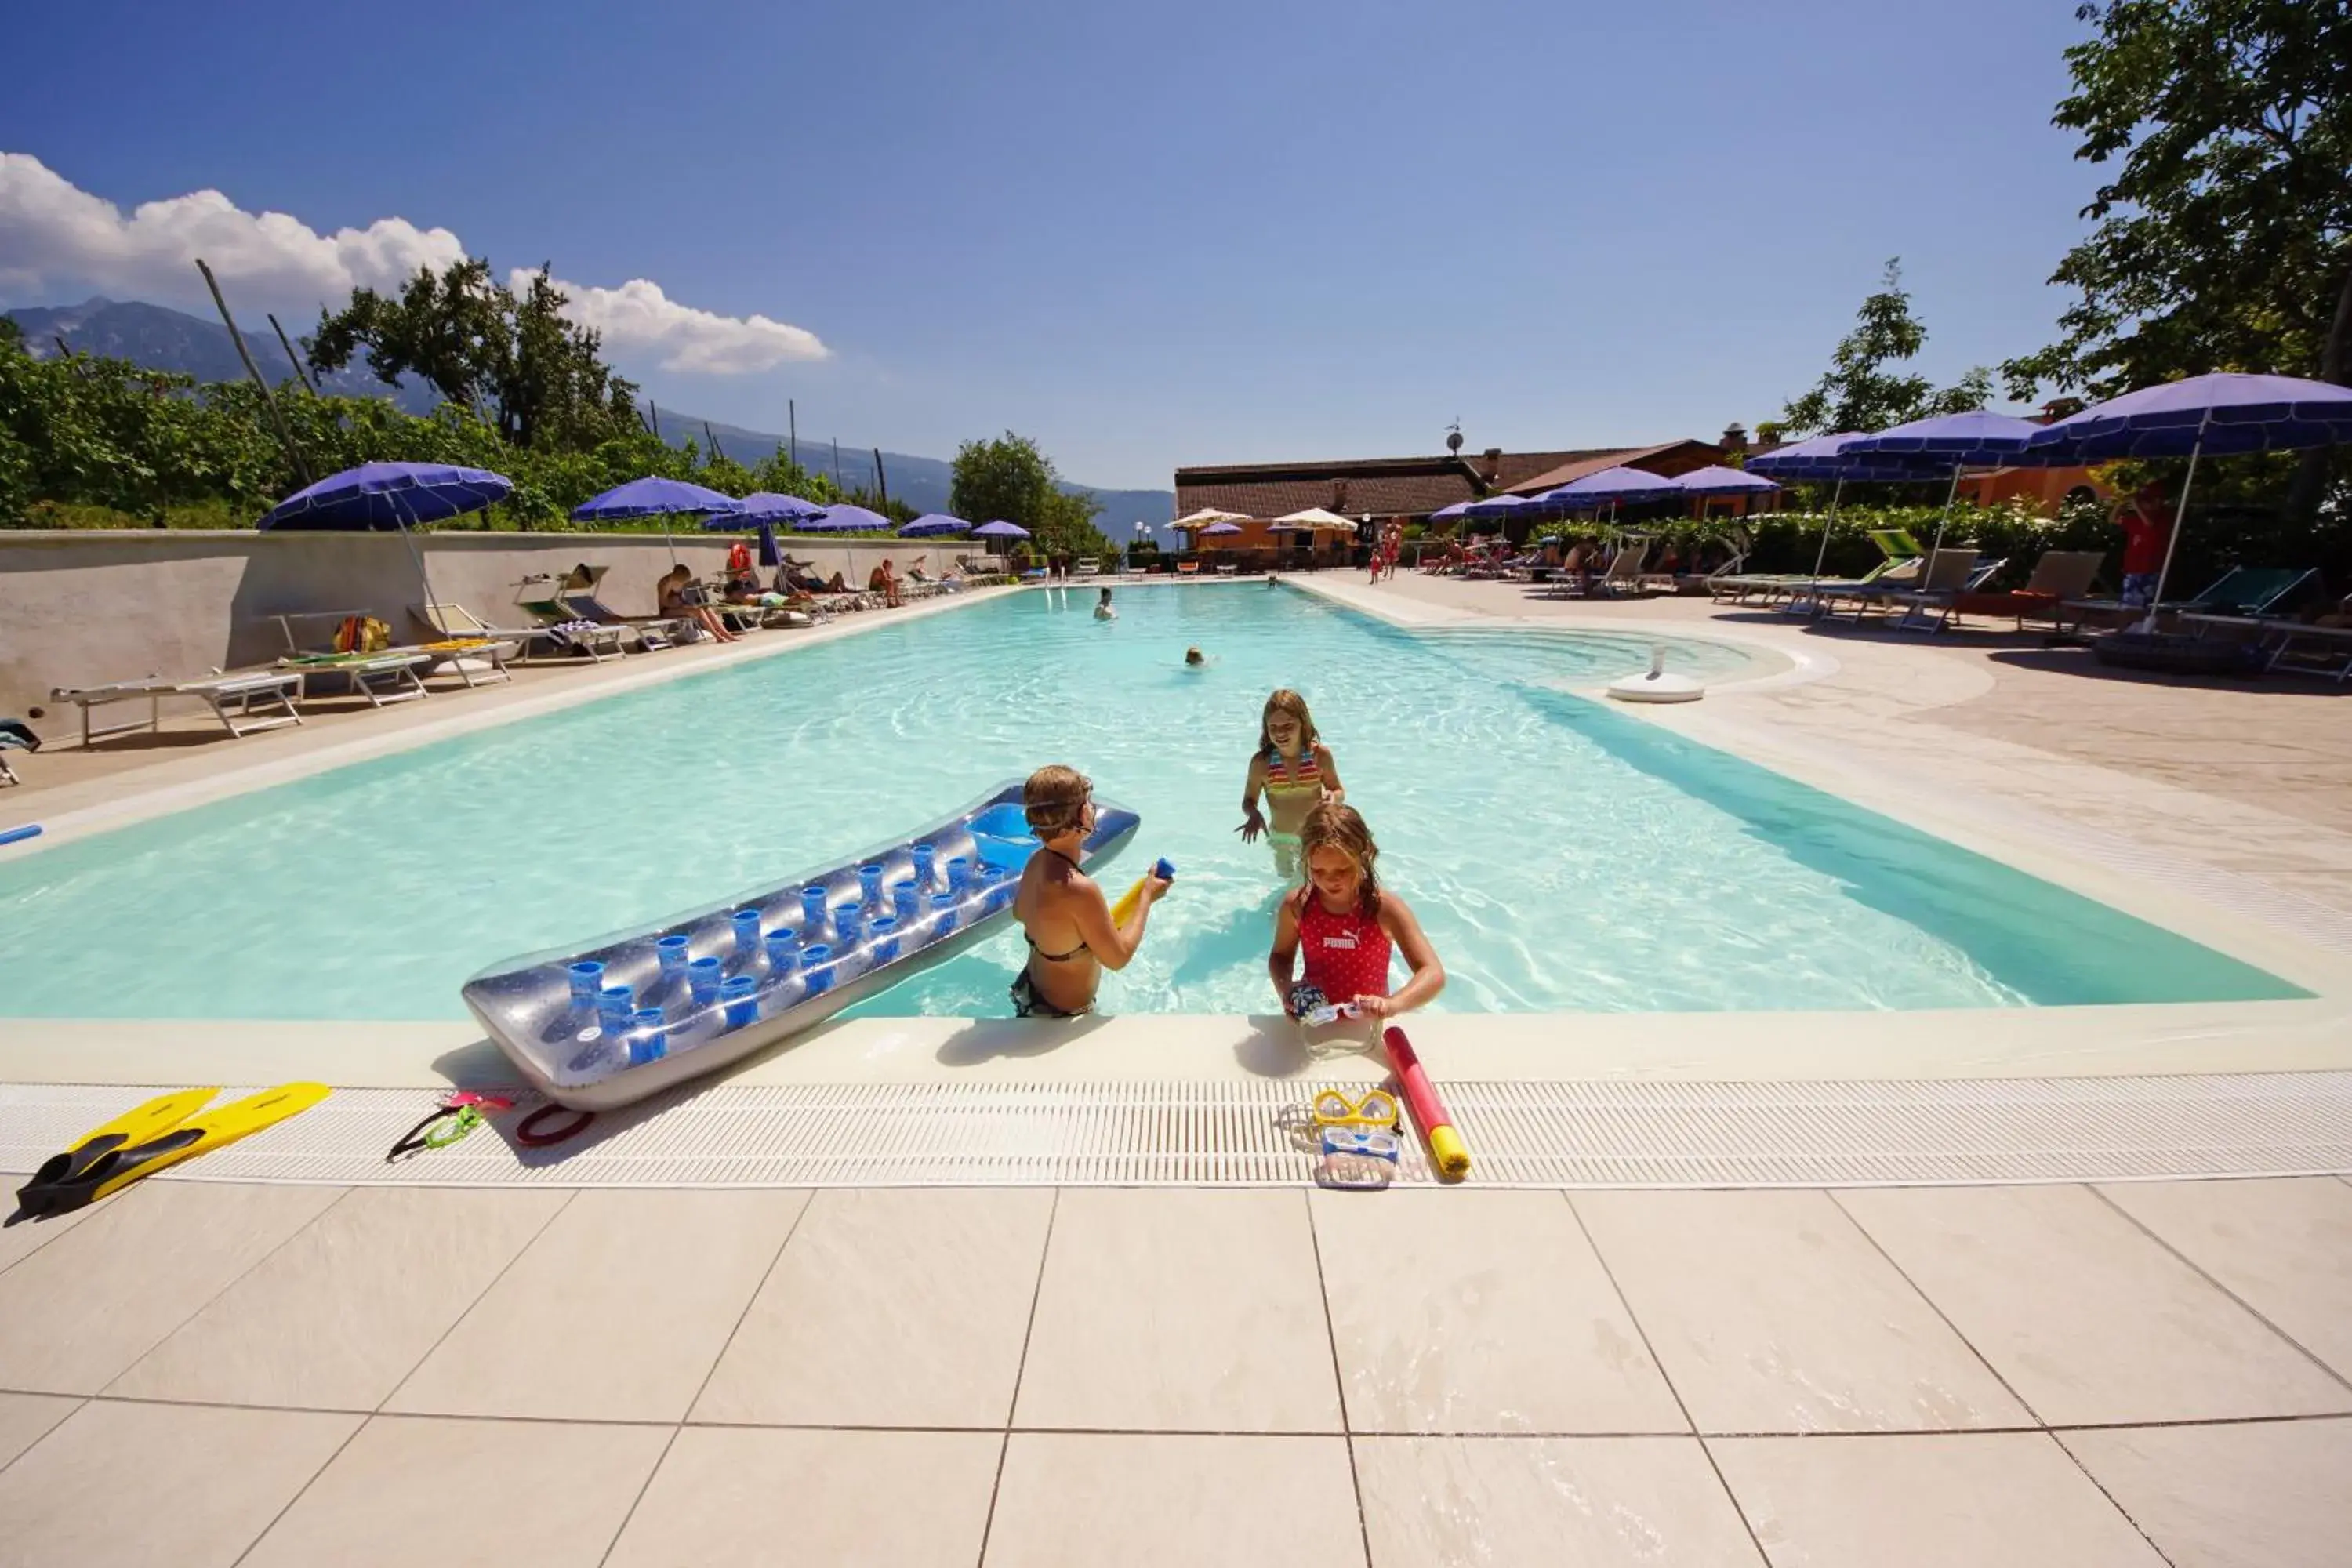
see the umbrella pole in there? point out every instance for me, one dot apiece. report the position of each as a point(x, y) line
point(1950, 497)
point(2180, 516)
point(415, 554)
point(1829, 524)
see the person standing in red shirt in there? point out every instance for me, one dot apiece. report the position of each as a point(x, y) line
point(2147, 522)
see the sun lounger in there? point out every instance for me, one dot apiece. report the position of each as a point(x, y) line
point(2239, 591)
point(2296, 645)
point(563, 628)
point(1188, 568)
point(245, 702)
point(1899, 566)
point(547, 596)
point(1624, 572)
point(456, 623)
point(652, 633)
point(478, 660)
point(1945, 572)
point(383, 677)
point(2059, 575)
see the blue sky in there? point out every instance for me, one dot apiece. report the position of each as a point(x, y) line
point(1145, 236)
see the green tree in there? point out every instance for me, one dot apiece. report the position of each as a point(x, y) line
point(514, 360)
point(1862, 390)
point(2223, 236)
point(779, 475)
point(1009, 478)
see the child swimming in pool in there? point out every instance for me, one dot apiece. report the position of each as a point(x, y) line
point(1348, 926)
point(1103, 611)
point(1295, 768)
point(1194, 656)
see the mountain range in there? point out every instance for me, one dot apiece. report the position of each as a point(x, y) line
point(163, 339)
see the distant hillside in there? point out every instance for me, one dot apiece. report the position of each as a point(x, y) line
point(165, 338)
point(922, 483)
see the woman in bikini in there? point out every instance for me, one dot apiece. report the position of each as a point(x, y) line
point(1348, 926)
point(1064, 916)
point(1294, 768)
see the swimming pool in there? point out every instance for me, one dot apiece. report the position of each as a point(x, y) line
point(1564, 855)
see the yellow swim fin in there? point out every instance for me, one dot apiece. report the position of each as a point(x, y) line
point(198, 1136)
point(137, 1125)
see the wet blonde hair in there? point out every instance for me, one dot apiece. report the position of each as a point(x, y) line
point(1055, 800)
point(1285, 700)
point(1334, 826)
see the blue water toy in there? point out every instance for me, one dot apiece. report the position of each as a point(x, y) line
point(1366, 1140)
point(18, 835)
point(814, 966)
point(650, 1042)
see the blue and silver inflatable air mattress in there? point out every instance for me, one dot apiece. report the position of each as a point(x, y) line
point(630, 1014)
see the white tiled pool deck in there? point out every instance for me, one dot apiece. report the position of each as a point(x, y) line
point(2060, 1375)
point(2144, 1373)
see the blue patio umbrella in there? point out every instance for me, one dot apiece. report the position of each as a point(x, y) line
point(762, 510)
point(388, 496)
point(1978, 439)
point(655, 496)
point(2223, 412)
point(1223, 528)
point(933, 524)
point(1790, 462)
point(846, 518)
point(1832, 459)
point(1495, 507)
point(1606, 487)
point(767, 506)
point(1718, 480)
point(1449, 513)
point(999, 529)
point(376, 496)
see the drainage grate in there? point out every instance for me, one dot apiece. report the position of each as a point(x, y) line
point(1535, 1134)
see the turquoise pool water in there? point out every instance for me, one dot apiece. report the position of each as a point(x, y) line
point(1564, 855)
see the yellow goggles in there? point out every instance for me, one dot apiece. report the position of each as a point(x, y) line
point(1377, 1108)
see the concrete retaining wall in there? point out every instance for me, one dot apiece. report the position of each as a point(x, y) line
point(81, 608)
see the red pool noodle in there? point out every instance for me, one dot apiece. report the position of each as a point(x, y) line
point(1446, 1147)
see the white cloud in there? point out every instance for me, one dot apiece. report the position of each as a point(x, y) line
point(638, 316)
point(53, 234)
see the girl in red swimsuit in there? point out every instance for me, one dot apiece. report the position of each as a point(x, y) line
point(1348, 925)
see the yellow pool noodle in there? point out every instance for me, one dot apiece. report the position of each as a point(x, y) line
point(1446, 1147)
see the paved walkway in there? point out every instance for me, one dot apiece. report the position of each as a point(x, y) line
point(2054, 1375)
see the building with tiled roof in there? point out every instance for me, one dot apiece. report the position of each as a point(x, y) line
point(1408, 488)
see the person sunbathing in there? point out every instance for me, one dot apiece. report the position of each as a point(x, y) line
point(678, 594)
point(884, 580)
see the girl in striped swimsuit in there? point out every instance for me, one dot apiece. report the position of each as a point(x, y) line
point(1294, 768)
point(1348, 926)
